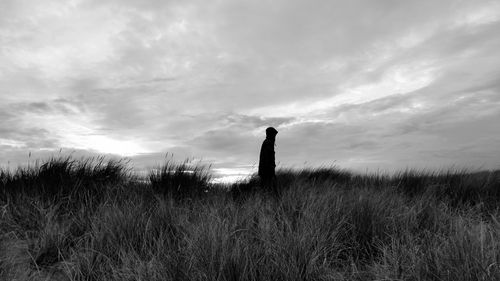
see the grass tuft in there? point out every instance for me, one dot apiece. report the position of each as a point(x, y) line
point(61, 177)
point(182, 180)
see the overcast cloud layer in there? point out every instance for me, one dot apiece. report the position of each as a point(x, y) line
point(383, 84)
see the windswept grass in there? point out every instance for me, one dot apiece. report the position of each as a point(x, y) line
point(326, 224)
point(182, 180)
point(59, 177)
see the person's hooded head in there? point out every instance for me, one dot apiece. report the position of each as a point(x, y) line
point(271, 133)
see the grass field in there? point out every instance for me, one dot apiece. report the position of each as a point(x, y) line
point(91, 219)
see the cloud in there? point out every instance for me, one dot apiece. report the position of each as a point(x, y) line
point(370, 84)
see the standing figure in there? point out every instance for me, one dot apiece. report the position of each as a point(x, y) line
point(266, 161)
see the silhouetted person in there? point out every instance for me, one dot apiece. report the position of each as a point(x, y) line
point(266, 161)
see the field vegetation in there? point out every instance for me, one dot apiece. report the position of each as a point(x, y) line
point(92, 219)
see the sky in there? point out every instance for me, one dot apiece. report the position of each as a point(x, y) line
point(367, 85)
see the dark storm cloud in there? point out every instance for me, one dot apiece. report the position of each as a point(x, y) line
point(222, 141)
point(44, 107)
point(20, 134)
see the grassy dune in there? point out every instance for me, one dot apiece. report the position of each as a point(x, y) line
point(91, 220)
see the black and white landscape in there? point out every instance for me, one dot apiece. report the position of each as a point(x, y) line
point(131, 133)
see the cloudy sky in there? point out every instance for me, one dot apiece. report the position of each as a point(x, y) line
point(365, 85)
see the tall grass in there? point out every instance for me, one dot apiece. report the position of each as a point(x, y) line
point(182, 180)
point(63, 176)
point(326, 224)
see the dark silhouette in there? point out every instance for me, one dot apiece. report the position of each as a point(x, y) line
point(266, 161)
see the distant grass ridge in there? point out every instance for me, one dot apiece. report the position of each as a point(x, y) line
point(457, 187)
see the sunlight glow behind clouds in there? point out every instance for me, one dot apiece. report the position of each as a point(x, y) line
point(82, 136)
point(12, 143)
point(104, 144)
point(397, 80)
point(486, 14)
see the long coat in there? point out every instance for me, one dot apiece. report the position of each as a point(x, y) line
point(266, 161)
